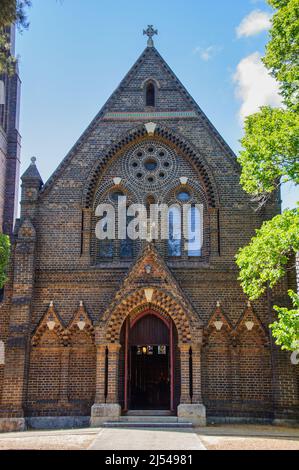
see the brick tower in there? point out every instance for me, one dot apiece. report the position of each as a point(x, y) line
point(10, 144)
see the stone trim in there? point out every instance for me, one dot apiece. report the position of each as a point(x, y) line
point(122, 116)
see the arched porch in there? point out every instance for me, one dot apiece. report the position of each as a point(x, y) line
point(184, 338)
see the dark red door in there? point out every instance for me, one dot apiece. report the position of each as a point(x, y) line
point(149, 363)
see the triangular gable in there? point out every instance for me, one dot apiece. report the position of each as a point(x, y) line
point(250, 322)
point(52, 322)
point(148, 52)
point(150, 271)
point(81, 321)
point(218, 321)
point(26, 230)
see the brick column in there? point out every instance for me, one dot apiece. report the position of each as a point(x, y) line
point(185, 373)
point(100, 373)
point(64, 376)
point(17, 344)
point(196, 373)
point(113, 366)
point(108, 409)
point(194, 412)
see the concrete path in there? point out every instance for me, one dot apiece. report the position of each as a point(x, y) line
point(214, 437)
point(146, 439)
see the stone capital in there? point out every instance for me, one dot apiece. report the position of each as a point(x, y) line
point(114, 347)
point(184, 347)
point(101, 348)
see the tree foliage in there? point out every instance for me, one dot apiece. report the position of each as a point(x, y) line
point(270, 157)
point(264, 261)
point(282, 52)
point(4, 257)
point(270, 154)
point(286, 330)
point(11, 11)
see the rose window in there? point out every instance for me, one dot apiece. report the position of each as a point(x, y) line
point(151, 164)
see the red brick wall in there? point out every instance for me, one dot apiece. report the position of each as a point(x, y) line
point(82, 367)
point(217, 370)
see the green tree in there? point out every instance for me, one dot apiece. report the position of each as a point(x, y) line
point(4, 257)
point(11, 11)
point(270, 155)
point(286, 330)
point(269, 158)
point(265, 260)
point(282, 52)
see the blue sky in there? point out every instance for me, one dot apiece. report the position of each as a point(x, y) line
point(76, 52)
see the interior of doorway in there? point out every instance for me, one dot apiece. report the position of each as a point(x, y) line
point(148, 362)
point(150, 377)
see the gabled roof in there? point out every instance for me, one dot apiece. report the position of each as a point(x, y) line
point(32, 172)
point(146, 54)
point(151, 270)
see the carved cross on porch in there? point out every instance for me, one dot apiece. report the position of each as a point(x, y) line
point(150, 32)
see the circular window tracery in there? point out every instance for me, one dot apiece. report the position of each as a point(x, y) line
point(151, 163)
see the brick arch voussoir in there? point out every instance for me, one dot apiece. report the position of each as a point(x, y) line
point(167, 136)
point(163, 302)
point(61, 333)
point(88, 331)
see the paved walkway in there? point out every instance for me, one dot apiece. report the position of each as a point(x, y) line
point(146, 439)
point(224, 437)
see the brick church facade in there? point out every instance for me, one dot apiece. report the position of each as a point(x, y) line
point(91, 328)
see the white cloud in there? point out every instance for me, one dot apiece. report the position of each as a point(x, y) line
point(207, 53)
point(254, 23)
point(254, 86)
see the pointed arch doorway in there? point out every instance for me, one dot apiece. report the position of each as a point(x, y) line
point(149, 342)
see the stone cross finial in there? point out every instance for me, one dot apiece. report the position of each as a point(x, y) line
point(150, 32)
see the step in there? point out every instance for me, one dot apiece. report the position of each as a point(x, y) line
point(148, 424)
point(148, 419)
point(149, 413)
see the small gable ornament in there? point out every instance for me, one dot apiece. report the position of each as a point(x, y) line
point(249, 325)
point(150, 127)
point(184, 180)
point(148, 294)
point(81, 324)
point(218, 325)
point(51, 324)
point(148, 269)
point(116, 181)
